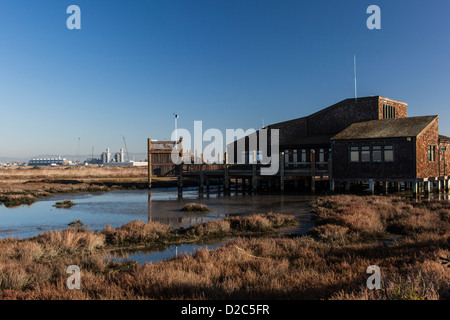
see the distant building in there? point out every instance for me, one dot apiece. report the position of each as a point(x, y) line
point(104, 157)
point(131, 164)
point(48, 162)
point(122, 155)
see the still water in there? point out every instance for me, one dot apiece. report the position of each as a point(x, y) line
point(155, 255)
point(116, 208)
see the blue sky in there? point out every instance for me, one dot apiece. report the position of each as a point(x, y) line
point(229, 63)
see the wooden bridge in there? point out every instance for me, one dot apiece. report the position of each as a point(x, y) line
point(249, 175)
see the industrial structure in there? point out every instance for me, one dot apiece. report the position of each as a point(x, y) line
point(48, 162)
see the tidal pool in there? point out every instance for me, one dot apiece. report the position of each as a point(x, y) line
point(116, 208)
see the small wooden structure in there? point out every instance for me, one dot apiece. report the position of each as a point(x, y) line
point(160, 158)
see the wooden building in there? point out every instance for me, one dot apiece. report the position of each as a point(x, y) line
point(391, 151)
point(365, 140)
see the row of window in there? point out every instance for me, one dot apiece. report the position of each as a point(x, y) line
point(377, 154)
point(304, 156)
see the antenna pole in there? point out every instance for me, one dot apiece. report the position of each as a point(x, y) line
point(354, 66)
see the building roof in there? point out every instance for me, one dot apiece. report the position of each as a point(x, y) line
point(336, 105)
point(443, 138)
point(386, 128)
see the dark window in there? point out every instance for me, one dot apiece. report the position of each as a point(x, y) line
point(376, 154)
point(389, 154)
point(365, 154)
point(431, 153)
point(354, 154)
point(321, 155)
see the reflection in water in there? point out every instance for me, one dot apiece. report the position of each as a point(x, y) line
point(117, 208)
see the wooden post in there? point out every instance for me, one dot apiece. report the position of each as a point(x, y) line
point(371, 187)
point(202, 178)
point(313, 171)
point(332, 187)
point(180, 181)
point(254, 178)
point(226, 182)
point(347, 186)
point(415, 187)
point(427, 186)
point(282, 171)
point(149, 156)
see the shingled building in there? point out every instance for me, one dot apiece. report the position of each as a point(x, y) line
point(360, 140)
point(405, 150)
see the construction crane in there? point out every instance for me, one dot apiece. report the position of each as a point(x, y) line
point(126, 148)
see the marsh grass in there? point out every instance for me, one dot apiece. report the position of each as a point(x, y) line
point(195, 208)
point(66, 204)
point(330, 263)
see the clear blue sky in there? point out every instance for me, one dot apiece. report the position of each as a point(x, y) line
point(230, 63)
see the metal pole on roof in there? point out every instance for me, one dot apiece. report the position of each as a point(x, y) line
point(354, 65)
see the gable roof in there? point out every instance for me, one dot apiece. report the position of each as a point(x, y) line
point(386, 128)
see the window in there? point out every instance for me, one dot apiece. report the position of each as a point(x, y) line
point(295, 156)
point(321, 155)
point(389, 154)
point(354, 154)
point(286, 156)
point(431, 153)
point(388, 112)
point(304, 155)
point(365, 154)
point(376, 154)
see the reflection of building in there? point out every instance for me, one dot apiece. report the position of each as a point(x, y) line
point(48, 162)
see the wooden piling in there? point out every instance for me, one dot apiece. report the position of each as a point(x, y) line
point(313, 171)
point(282, 171)
point(149, 163)
point(371, 187)
point(202, 177)
point(226, 182)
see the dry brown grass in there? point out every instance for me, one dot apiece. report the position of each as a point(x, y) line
point(25, 185)
point(195, 208)
point(375, 217)
point(254, 269)
point(136, 232)
point(331, 264)
point(72, 172)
